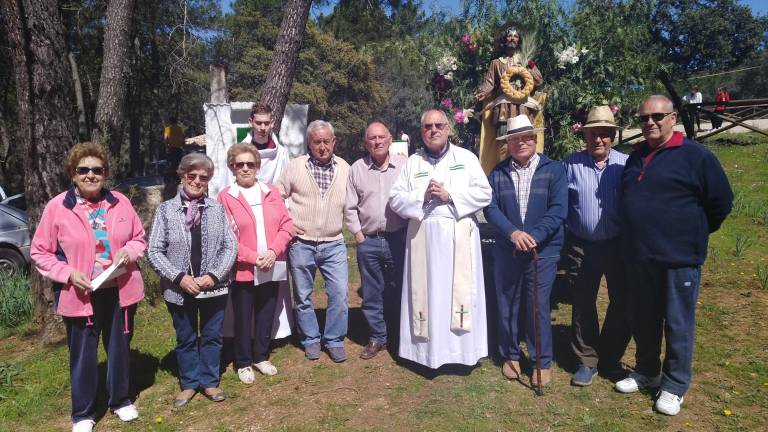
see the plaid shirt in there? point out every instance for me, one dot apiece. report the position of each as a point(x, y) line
point(522, 177)
point(323, 174)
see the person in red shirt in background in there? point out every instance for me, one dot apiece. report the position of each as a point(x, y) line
point(722, 96)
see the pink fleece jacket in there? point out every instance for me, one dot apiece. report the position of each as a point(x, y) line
point(64, 242)
point(278, 227)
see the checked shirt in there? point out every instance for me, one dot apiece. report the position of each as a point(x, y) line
point(521, 177)
point(323, 174)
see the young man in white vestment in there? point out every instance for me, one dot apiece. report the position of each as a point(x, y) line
point(438, 191)
point(274, 159)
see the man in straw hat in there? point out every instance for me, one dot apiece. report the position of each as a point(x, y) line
point(593, 249)
point(528, 207)
point(439, 190)
point(674, 194)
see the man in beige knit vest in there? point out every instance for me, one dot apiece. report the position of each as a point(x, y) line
point(317, 185)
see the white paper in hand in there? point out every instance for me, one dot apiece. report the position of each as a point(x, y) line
point(111, 272)
point(277, 273)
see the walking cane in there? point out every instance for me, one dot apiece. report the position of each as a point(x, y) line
point(536, 336)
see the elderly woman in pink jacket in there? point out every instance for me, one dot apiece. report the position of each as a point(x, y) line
point(88, 242)
point(263, 228)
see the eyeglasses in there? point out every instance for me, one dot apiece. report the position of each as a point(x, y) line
point(201, 177)
point(240, 165)
point(438, 126)
point(521, 139)
point(83, 170)
point(643, 118)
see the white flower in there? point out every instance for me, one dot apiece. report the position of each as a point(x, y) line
point(567, 56)
point(449, 76)
point(584, 50)
point(446, 64)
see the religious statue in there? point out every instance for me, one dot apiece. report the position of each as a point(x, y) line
point(508, 91)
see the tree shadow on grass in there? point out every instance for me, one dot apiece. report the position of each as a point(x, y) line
point(143, 368)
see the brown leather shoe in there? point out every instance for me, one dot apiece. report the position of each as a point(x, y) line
point(511, 369)
point(372, 349)
point(546, 377)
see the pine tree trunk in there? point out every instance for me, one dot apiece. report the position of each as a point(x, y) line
point(47, 121)
point(115, 75)
point(82, 120)
point(277, 86)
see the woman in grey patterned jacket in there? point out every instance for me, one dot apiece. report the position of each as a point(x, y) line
point(192, 248)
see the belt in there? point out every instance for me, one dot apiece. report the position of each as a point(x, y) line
point(377, 234)
point(383, 234)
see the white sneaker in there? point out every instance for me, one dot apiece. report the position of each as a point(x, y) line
point(246, 375)
point(266, 368)
point(635, 382)
point(83, 426)
point(668, 403)
point(127, 413)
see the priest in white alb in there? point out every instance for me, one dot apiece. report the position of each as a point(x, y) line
point(439, 190)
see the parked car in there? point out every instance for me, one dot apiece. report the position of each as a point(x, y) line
point(14, 240)
point(18, 201)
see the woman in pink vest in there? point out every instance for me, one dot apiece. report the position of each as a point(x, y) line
point(88, 243)
point(263, 228)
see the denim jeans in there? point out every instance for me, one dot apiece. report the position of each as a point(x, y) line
point(380, 260)
point(514, 293)
point(198, 356)
point(305, 258)
point(664, 303)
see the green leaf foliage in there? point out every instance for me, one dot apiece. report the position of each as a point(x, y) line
point(707, 34)
point(335, 78)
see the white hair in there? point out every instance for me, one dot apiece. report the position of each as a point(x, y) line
point(319, 124)
point(442, 113)
point(195, 161)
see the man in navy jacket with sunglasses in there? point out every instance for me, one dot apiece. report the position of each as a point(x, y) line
point(675, 193)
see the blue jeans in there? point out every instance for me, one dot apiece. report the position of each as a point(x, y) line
point(380, 260)
point(514, 294)
point(664, 300)
point(305, 258)
point(199, 357)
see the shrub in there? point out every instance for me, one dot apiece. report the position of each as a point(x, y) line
point(762, 275)
point(16, 303)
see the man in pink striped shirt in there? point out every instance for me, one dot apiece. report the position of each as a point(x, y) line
point(380, 236)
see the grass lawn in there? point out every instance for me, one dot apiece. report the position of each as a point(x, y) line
point(729, 391)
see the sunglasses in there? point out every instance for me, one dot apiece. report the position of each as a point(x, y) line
point(83, 170)
point(240, 165)
point(655, 117)
point(430, 126)
point(201, 177)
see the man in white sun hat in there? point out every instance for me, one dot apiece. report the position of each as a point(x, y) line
point(528, 207)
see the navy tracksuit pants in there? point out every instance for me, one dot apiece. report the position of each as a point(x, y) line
point(664, 303)
point(108, 322)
